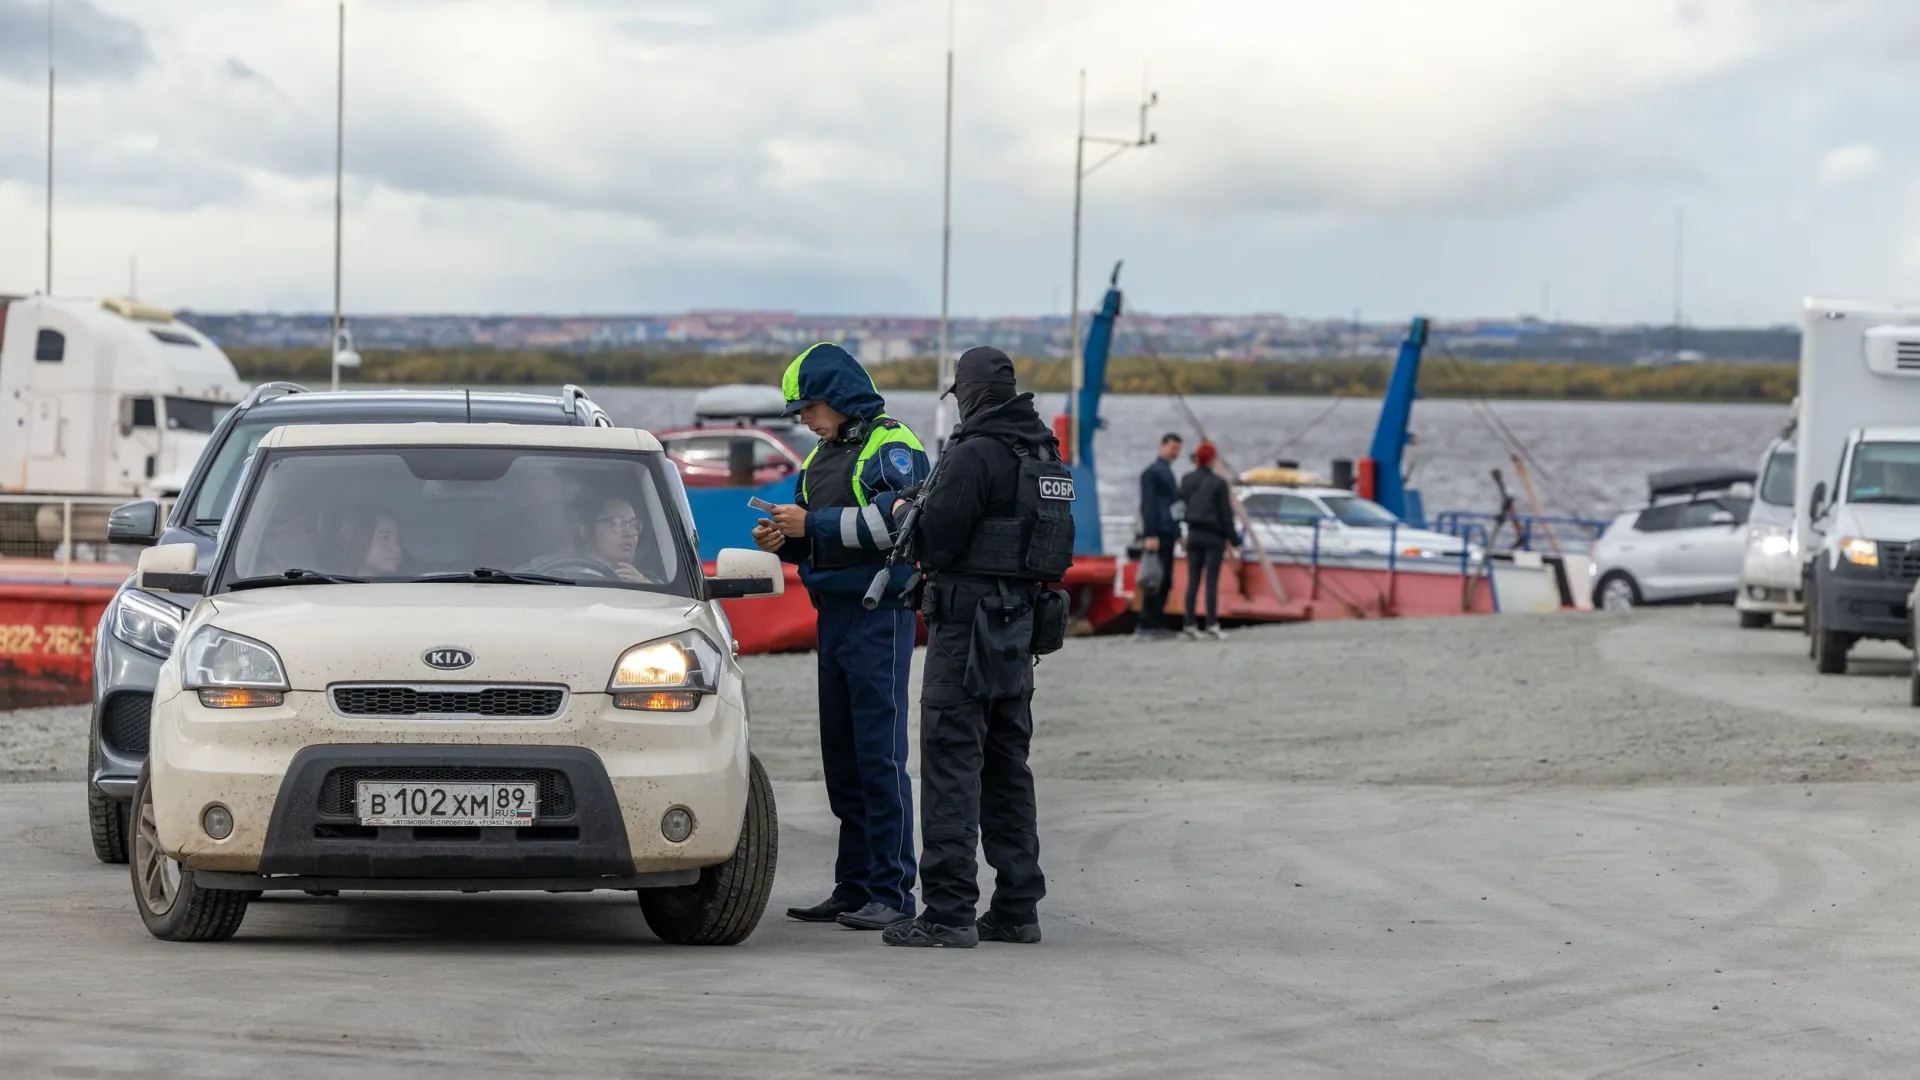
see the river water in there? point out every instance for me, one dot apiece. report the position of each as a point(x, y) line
point(1590, 459)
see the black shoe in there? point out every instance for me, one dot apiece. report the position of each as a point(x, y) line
point(921, 934)
point(992, 929)
point(825, 911)
point(875, 916)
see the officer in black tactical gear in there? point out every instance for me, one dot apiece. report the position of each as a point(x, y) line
point(995, 527)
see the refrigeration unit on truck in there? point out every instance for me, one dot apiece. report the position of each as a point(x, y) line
point(1857, 478)
point(105, 397)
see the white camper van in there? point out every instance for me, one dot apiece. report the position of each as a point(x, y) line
point(1857, 480)
point(105, 397)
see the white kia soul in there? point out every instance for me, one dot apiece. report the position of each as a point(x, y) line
point(455, 657)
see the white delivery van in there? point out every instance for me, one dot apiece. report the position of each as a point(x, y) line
point(1857, 478)
point(105, 397)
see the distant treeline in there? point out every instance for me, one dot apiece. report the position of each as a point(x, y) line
point(1440, 377)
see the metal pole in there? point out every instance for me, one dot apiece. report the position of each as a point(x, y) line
point(339, 155)
point(1077, 365)
point(945, 365)
point(49, 281)
point(1679, 253)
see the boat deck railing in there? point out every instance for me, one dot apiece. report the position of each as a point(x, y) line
point(1523, 532)
point(61, 534)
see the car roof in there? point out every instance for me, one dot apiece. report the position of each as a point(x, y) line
point(1890, 434)
point(1284, 489)
point(487, 434)
point(511, 407)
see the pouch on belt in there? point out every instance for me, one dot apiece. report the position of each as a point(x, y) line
point(999, 656)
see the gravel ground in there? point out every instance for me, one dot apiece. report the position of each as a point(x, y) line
point(1669, 696)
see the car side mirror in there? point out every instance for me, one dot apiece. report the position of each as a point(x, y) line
point(170, 568)
point(1817, 507)
point(134, 523)
point(126, 417)
point(742, 573)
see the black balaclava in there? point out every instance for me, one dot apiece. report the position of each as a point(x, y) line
point(982, 380)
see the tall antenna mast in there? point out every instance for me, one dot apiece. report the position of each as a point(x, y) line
point(945, 364)
point(1679, 255)
point(49, 282)
point(339, 157)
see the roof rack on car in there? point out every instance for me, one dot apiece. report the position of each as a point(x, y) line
point(276, 389)
point(576, 402)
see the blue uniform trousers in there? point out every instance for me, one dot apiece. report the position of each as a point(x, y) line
point(864, 660)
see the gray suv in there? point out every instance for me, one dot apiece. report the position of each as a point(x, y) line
point(137, 629)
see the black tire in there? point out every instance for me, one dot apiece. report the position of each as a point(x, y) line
point(725, 905)
point(107, 820)
point(1619, 584)
point(191, 913)
point(1756, 620)
point(1830, 651)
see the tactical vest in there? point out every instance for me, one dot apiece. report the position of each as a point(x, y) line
point(1036, 544)
point(882, 431)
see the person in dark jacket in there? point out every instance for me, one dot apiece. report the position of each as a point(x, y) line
point(1160, 530)
point(976, 704)
point(839, 532)
point(1211, 530)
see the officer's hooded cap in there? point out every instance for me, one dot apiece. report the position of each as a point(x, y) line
point(826, 372)
point(982, 366)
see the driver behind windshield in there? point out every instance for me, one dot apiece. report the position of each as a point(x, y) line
point(366, 544)
point(606, 535)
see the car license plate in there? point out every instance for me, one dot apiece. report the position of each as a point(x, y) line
point(403, 803)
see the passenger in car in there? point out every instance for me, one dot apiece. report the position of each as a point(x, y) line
point(366, 544)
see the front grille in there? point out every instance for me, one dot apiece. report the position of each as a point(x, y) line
point(495, 702)
point(1901, 563)
point(123, 723)
point(338, 790)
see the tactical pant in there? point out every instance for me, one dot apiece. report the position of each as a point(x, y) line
point(976, 722)
point(864, 659)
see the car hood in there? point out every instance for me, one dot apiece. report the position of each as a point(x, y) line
point(1878, 521)
point(568, 635)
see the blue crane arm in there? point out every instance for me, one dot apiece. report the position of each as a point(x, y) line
point(1390, 434)
point(1085, 407)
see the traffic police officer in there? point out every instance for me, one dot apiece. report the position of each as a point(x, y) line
point(839, 533)
point(996, 524)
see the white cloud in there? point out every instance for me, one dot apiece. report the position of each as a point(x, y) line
point(1847, 164)
point(574, 153)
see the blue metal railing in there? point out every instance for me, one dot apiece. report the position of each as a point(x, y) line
point(1530, 532)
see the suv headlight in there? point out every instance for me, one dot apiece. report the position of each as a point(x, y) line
point(1770, 540)
point(231, 671)
point(666, 675)
point(1860, 552)
point(147, 624)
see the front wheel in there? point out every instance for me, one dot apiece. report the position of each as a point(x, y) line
point(1830, 651)
point(1617, 592)
point(172, 905)
point(724, 906)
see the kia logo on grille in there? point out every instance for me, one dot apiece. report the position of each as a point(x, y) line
point(447, 659)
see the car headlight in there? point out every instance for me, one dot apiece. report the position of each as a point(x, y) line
point(666, 675)
point(1860, 552)
point(1770, 540)
point(231, 671)
point(146, 623)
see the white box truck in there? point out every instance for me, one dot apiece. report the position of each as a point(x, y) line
point(105, 397)
point(1857, 480)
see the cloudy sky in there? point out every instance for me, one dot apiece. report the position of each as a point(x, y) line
point(1316, 158)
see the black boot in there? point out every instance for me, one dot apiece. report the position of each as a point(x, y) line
point(992, 929)
point(919, 933)
point(825, 911)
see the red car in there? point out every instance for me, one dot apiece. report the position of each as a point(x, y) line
point(772, 446)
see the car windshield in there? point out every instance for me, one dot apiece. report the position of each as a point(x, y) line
point(1885, 472)
point(1776, 487)
point(193, 414)
point(466, 513)
point(1354, 510)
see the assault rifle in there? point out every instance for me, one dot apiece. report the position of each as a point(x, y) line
point(916, 500)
